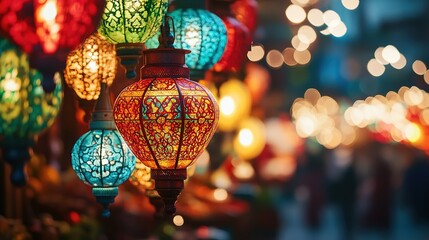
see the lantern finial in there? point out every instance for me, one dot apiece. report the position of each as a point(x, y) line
point(166, 39)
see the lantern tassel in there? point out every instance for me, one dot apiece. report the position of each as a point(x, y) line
point(105, 196)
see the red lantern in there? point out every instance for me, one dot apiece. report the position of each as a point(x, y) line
point(239, 39)
point(246, 11)
point(166, 119)
point(49, 29)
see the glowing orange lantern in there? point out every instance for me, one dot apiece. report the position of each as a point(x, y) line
point(166, 119)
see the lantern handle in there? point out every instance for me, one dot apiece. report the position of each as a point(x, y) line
point(166, 39)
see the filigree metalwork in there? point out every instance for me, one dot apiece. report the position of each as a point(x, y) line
point(200, 31)
point(92, 63)
point(101, 158)
point(25, 110)
point(132, 21)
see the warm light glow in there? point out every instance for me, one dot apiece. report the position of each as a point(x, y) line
point(221, 179)
point(426, 77)
point(256, 53)
point(378, 55)
point(412, 132)
point(10, 84)
point(251, 138)
point(288, 56)
point(306, 34)
point(178, 220)
point(93, 67)
point(220, 194)
point(315, 17)
point(47, 27)
point(400, 64)
point(419, 67)
point(391, 54)
point(295, 13)
point(375, 68)
point(227, 105)
point(243, 170)
point(298, 45)
point(312, 95)
point(275, 59)
point(337, 29)
point(235, 104)
point(331, 18)
point(305, 126)
point(49, 11)
point(302, 57)
point(350, 4)
point(245, 137)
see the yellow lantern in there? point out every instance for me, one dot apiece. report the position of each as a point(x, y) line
point(250, 138)
point(234, 104)
point(90, 64)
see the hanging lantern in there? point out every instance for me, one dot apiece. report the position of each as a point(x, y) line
point(89, 65)
point(25, 110)
point(100, 157)
point(166, 119)
point(49, 29)
point(130, 23)
point(250, 139)
point(197, 30)
point(238, 38)
point(246, 12)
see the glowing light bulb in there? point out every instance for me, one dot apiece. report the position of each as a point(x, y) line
point(227, 105)
point(93, 66)
point(192, 38)
point(49, 11)
point(220, 194)
point(245, 137)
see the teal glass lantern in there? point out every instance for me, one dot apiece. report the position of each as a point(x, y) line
point(25, 110)
point(100, 157)
point(130, 23)
point(198, 30)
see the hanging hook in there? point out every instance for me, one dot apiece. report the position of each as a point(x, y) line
point(166, 39)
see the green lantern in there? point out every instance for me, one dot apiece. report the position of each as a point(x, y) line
point(130, 23)
point(198, 30)
point(25, 110)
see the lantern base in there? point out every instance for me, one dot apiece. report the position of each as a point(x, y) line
point(129, 54)
point(169, 184)
point(105, 196)
point(16, 152)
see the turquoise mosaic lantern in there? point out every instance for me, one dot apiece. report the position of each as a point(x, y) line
point(25, 110)
point(100, 157)
point(198, 30)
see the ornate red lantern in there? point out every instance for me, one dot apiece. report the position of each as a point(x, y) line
point(49, 29)
point(239, 38)
point(246, 11)
point(166, 119)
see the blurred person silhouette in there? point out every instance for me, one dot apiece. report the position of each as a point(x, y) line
point(312, 179)
point(416, 187)
point(377, 216)
point(343, 187)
